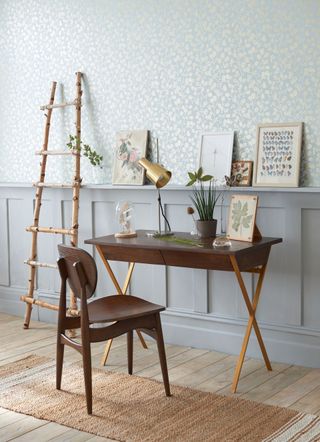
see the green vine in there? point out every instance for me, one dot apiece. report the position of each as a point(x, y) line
point(94, 158)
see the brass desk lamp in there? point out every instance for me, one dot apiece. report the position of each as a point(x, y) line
point(159, 176)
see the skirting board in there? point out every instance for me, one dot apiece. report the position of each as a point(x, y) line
point(289, 345)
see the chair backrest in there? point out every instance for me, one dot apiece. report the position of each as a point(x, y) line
point(71, 256)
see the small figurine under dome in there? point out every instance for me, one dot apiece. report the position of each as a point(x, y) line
point(125, 219)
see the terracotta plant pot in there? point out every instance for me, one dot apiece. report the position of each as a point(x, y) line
point(207, 229)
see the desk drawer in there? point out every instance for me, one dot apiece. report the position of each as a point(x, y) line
point(197, 260)
point(130, 254)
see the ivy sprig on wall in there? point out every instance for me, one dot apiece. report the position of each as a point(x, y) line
point(87, 151)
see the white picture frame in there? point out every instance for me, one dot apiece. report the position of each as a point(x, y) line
point(131, 146)
point(215, 154)
point(278, 153)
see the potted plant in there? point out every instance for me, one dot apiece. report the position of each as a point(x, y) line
point(204, 198)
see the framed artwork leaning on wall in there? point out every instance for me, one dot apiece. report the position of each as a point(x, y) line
point(215, 154)
point(241, 173)
point(278, 152)
point(131, 146)
point(242, 217)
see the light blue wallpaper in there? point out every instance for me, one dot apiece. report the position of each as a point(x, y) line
point(175, 67)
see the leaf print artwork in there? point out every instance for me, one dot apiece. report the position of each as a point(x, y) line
point(242, 215)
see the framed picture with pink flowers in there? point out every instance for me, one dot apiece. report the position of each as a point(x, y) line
point(131, 145)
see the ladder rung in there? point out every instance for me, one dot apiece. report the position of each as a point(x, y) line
point(30, 300)
point(57, 152)
point(50, 230)
point(56, 185)
point(40, 264)
point(53, 106)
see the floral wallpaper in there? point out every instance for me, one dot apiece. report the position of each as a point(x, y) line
point(175, 67)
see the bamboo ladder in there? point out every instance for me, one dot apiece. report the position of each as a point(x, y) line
point(40, 185)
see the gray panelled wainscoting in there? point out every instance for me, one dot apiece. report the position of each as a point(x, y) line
point(204, 309)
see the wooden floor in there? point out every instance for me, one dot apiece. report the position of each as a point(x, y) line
point(287, 385)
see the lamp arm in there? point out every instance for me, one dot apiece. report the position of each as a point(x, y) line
point(162, 211)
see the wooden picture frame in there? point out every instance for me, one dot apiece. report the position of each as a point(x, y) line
point(242, 217)
point(131, 146)
point(241, 173)
point(278, 153)
point(215, 154)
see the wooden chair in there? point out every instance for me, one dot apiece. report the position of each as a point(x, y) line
point(125, 313)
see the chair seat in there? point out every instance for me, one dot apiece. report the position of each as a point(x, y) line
point(119, 307)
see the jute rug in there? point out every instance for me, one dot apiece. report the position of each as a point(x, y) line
point(130, 408)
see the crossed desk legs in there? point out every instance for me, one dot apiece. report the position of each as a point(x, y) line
point(251, 307)
point(120, 291)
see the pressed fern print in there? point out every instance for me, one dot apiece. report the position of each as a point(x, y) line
point(240, 217)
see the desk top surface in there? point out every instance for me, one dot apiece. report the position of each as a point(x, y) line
point(143, 241)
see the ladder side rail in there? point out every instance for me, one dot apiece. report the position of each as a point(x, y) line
point(77, 179)
point(33, 255)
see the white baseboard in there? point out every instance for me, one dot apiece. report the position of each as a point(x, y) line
point(288, 345)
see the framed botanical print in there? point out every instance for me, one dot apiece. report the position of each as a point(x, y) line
point(131, 146)
point(242, 217)
point(241, 173)
point(278, 154)
point(215, 154)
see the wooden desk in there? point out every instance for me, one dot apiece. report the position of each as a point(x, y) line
point(240, 257)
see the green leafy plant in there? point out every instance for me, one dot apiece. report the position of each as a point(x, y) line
point(204, 197)
point(94, 158)
point(240, 217)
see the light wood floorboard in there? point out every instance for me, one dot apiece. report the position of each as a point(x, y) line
point(287, 385)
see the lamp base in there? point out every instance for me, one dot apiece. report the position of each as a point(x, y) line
point(125, 235)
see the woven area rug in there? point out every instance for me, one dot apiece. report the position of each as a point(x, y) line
point(130, 408)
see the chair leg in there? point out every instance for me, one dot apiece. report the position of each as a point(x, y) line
point(162, 355)
point(87, 371)
point(59, 363)
point(130, 350)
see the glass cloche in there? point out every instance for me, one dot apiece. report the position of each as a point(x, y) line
point(125, 220)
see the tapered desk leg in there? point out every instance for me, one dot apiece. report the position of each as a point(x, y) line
point(120, 291)
point(251, 307)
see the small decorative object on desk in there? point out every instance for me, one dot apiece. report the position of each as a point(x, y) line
point(125, 220)
point(221, 242)
point(204, 199)
point(190, 211)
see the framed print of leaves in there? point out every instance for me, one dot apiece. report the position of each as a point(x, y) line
point(242, 217)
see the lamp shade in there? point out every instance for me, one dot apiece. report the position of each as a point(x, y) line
point(157, 174)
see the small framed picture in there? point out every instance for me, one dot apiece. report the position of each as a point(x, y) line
point(278, 154)
point(241, 173)
point(215, 154)
point(131, 145)
point(242, 217)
